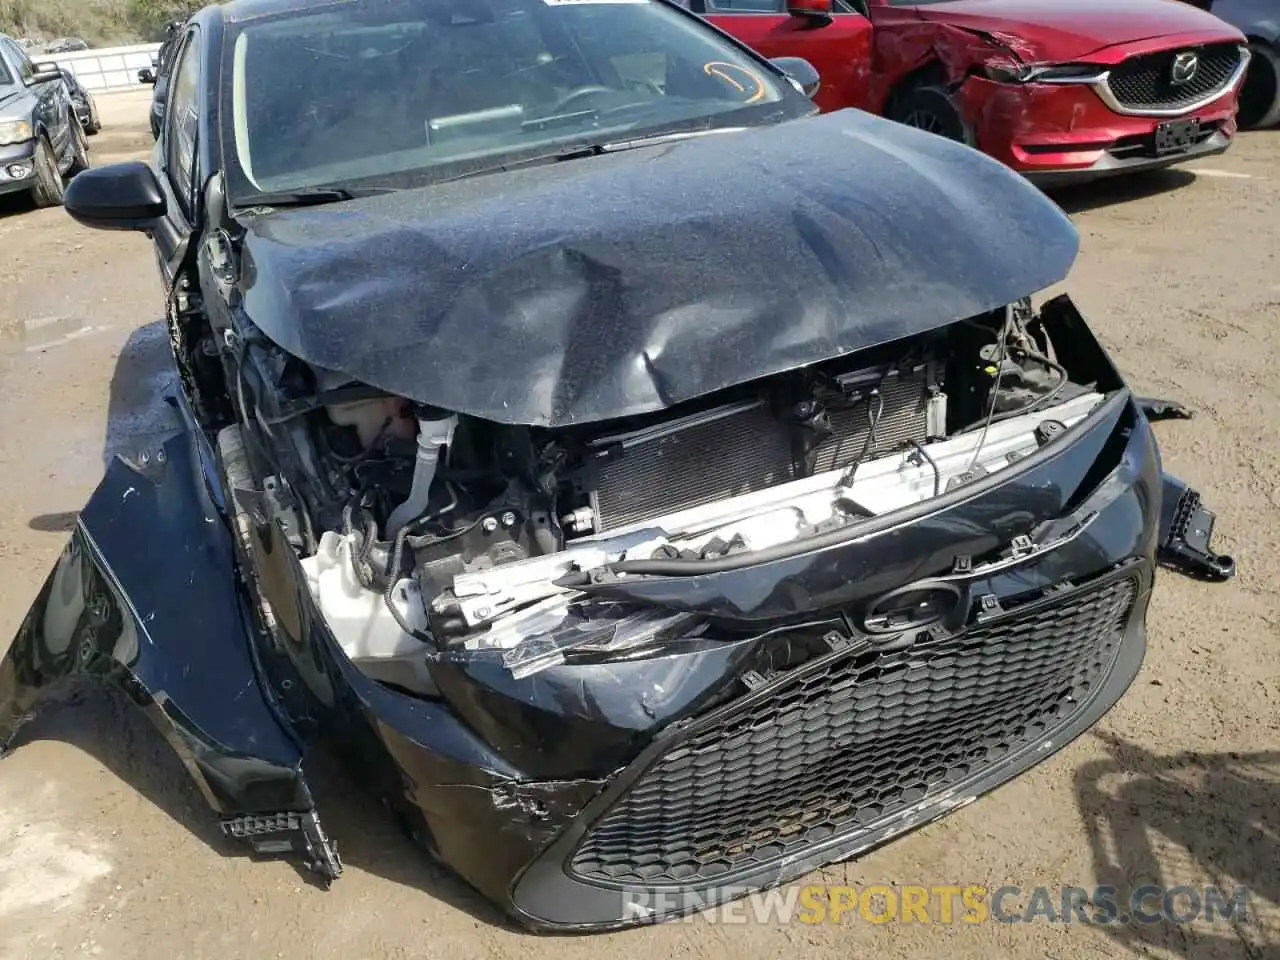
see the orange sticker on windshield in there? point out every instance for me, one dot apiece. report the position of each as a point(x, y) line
point(743, 79)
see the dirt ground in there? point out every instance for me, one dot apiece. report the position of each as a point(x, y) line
point(107, 850)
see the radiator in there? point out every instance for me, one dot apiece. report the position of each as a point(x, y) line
point(745, 447)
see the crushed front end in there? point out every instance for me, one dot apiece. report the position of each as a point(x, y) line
point(889, 681)
point(730, 656)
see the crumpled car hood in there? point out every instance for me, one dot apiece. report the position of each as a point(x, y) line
point(1047, 30)
point(600, 288)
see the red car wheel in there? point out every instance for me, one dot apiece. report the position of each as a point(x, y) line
point(932, 110)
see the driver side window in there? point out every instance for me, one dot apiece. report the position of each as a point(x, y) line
point(180, 125)
point(21, 62)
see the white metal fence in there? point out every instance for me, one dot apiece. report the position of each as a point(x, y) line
point(105, 70)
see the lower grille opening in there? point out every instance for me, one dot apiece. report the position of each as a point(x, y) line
point(1042, 149)
point(1144, 145)
point(846, 743)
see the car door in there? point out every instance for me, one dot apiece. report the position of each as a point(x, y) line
point(179, 158)
point(840, 49)
point(52, 102)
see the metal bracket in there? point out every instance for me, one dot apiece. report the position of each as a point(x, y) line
point(977, 472)
point(282, 507)
point(1186, 534)
point(1155, 409)
point(285, 834)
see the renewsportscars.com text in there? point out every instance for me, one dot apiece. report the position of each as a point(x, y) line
point(954, 904)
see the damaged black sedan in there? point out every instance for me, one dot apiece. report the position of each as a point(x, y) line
point(654, 490)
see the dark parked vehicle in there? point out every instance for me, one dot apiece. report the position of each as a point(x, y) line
point(160, 82)
point(157, 74)
point(1259, 20)
point(648, 510)
point(82, 102)
point(41, 141)
point(64, 45)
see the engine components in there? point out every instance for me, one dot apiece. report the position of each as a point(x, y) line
point(434, 434)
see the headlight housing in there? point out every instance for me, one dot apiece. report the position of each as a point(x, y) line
point(15, 131)
point(1002, 71)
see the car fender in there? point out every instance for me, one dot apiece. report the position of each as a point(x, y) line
point(146, 597)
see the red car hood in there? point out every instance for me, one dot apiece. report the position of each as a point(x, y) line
point(1049, 30)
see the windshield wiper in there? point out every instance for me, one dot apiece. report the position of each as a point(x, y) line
point(312, 196)
point(571, 153)
point(653, 139)
point(591, 150)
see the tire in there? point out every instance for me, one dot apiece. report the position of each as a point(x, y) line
point(48, 190)
point(1260, 95)
point(80, 150)
point(931, 109)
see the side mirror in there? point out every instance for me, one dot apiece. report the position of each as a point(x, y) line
point(45, 73)
point(47, 68)
point(119, 196)
point(817, 12)
point(800, 72)
point(147, 75)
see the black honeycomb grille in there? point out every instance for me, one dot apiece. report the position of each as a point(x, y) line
point(1146, 82)
point(850, 741)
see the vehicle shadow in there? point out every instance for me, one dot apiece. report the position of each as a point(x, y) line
point(103, 723)
point(1187, 820)
point(63, 522)
point(1083, 197)
point(15, 204)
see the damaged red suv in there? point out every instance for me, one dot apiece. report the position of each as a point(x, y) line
point(1058, 91)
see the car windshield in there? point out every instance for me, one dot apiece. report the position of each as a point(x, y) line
point(5, 78)
point(406, 92)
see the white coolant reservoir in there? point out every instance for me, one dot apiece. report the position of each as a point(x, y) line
point(360, 621)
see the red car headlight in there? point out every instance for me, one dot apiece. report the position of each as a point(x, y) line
point(1003, 71)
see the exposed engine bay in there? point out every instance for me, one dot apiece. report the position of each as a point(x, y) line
point(420, 530)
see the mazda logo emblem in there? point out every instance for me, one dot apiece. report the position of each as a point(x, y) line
point(1185, 67)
